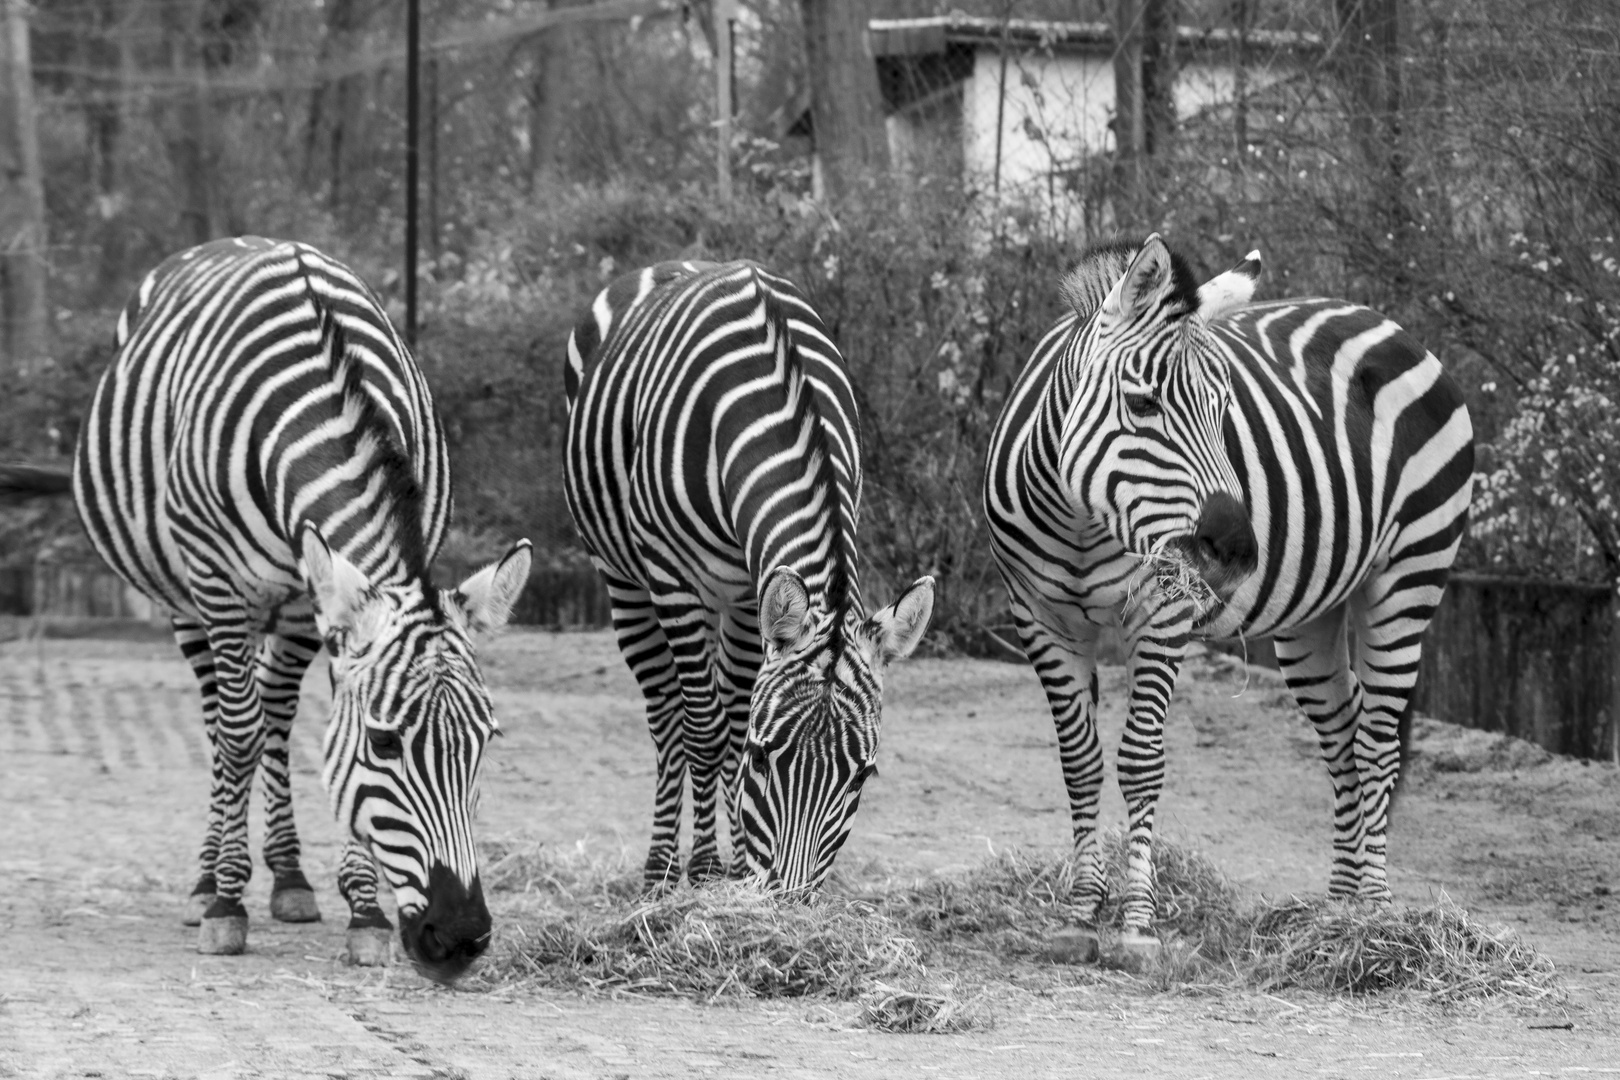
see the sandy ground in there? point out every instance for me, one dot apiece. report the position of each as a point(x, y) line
point(103, 784)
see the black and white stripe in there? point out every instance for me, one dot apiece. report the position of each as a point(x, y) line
point(264, 458)
point(1311, 463)
point(713, 469)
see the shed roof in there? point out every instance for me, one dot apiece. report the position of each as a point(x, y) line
point(935, 34)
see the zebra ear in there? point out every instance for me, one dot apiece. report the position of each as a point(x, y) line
point(1233, 289)
point(896, 630)
point(1143, 279)
point(487, 597)
point(784, 608)
point(339, 588)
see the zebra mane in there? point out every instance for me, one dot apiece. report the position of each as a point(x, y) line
point(372, 436)
point(1102, 264)
point(806, 416)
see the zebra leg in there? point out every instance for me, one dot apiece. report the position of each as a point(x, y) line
point(238, 744)
point(1154, 660)
point(692, 632)
point(1066, 664)
point(369, 936)
point(740, 658)
point(646, 651)
point(1390, 615)
point(1315, 662)
point(282, 663)
point(193, 642)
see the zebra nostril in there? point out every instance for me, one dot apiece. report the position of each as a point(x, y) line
point(432, 948)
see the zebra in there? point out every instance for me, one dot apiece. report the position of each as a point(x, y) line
point(712, 467)
point(1201, 465)
point(263, 458)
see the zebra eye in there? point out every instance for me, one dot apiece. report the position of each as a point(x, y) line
point(385, 742)
point(1142, 405)
point(335, 641)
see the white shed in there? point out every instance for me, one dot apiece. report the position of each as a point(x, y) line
point(1018, 107)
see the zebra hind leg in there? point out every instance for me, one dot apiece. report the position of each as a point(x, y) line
point(282, 663)
point(193, 642)
point(1315, 662)
point(368, 941)
point(1389, 648)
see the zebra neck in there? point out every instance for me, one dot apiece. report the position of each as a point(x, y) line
point(824, 558)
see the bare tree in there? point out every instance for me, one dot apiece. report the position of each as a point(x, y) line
point(22, 198)
point(1144, 84)
point(846, 106)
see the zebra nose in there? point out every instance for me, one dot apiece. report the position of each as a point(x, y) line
point(1224, 538)
point(444, 938)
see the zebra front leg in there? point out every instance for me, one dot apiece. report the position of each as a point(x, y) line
point(740, 659)
point(1315, 662)
point(239, 742)
point(1067, 667)
point(368, 941)
point(282, 663)
point(1154, 660)
point(646, 651)
point(193, 642)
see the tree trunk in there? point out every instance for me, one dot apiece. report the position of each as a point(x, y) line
point(846, 106)
point(547, 93)
point(1159, 76)
point(336, 102)
point(1369, 68)
point(1130, 139)
point(22, 201)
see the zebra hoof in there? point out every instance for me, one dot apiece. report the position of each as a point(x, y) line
point(191, 912)
point(200, 900)
point(1073, 945)
point(292, 900)
point(1138, 952)
point(294, 905)
point(369, 946)
point(222, 936)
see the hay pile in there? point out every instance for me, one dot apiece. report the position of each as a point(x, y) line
point(728, 938)
point(579, 922)
point(1217, 938)
point(1436, 951)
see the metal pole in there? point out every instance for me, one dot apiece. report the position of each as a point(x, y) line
point(724, 12)
point(413, 63)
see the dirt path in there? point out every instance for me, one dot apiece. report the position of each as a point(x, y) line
point(102, 787)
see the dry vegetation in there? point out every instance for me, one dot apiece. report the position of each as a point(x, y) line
point(921, 956)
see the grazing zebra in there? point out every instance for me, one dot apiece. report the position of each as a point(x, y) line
point(1145, 423)
point(263, 458)
point(713, 469)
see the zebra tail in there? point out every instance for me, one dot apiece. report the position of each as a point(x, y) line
point(20, 483)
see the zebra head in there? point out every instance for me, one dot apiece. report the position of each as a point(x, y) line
point(1143, 447)
point(410, 719)
point(814, 723)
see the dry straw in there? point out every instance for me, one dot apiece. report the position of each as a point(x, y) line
point(579, 922)
point(728, 939)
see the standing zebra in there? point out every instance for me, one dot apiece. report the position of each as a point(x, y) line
point(1145, 423)
point(713, 469)
point(264, 459)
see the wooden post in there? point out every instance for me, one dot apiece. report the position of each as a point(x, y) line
point(413, 125)
point(1614, 677)
point(725, 11)
point(23, 322)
